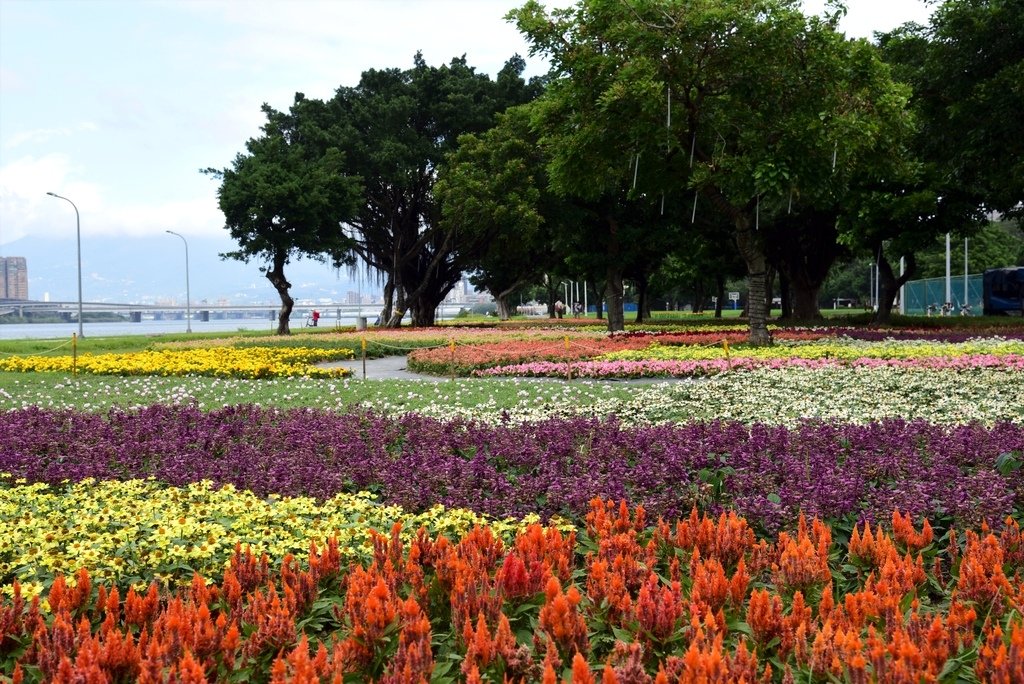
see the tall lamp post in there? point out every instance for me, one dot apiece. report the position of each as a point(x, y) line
point(78, 235)
point(188, 294)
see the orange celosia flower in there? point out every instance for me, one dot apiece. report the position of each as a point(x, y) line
point(802, 563)
point(726, 540)
point(659, 609)
point(608, 588)
point(981, 579)
point(560, 619)
point(1000, 662)
point(904, 533)
point(413, 662)
point(764, 615)
point(710, 588)
point(479, 645)
point(581, 671)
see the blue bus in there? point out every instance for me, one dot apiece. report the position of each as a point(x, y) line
point(1004, 291)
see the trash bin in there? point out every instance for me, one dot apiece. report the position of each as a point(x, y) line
point(360, 322)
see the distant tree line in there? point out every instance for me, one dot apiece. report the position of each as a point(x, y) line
point(673, 146)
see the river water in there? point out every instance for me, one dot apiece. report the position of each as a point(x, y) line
point(17, 331)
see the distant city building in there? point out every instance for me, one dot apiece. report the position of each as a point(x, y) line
point(13, 278)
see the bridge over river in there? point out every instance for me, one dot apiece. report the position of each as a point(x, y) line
point(68, 311)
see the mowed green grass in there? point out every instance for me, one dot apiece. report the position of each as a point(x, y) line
point(472, 396)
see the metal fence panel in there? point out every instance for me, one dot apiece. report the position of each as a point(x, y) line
point(919, 295)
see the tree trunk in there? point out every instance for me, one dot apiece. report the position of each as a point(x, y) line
point(613, 286)
point(699, 295)
point(643, 303)
point(398, 290)
point(552, 289)
point(423, 315)
point(613, 297)
point(804, 247)
point(281, 284)
point(401, 305)
point(754, 257)
point(889, 285)
point(720, 294)
point(769, 289)
point(502, 303)
point(389, 299)
point(501, 299)
point(806, 288)
point(785, 296)
point(805, 301)
point(598, 301)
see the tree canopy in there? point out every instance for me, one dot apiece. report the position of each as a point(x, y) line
point(752, 105)
point(660, 122)
point(404, 123)
point(288, 195)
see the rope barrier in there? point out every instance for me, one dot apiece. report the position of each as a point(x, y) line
point(59, 346)
point(408, 349)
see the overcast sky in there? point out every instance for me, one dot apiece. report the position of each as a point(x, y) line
point(117, 104)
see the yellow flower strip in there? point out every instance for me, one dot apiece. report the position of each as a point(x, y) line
point(134, 531)
point(226, 362)
point(844, 350)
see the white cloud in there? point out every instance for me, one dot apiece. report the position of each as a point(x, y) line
point(43, 135)
point(11, 81)
point(866, 17)
point(26, 209)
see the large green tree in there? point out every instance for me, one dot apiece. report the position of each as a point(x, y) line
point(967, 71)
point(496, 204)
point(287, 196)
point(403, 123)
point(748, 103)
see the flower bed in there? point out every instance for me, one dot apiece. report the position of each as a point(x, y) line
point(612, 367)
point(133, 532)
point(604, 592)
point(223, 362)
point(680, 354)
point(470, 356)
point(554, 467)
point(628, 600)
point(837, 349)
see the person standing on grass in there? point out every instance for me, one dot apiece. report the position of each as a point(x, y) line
point(316, 317)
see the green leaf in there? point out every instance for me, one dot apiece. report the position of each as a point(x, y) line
point(1007, 463)
point(623, 635)
point(737, 625)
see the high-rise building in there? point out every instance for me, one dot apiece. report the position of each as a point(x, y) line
point(13, 278)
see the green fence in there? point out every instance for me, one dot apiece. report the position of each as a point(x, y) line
point(920, 294)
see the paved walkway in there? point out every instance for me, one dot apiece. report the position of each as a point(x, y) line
point(384, 368)
point(394, 368)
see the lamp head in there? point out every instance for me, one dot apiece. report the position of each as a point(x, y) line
point(52, 194)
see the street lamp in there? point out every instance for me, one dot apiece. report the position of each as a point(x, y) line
point(188, 295)
point(78, 234)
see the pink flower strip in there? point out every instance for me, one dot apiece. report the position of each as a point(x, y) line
point(682, 369)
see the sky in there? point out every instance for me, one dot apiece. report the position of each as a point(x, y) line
point(117, 104)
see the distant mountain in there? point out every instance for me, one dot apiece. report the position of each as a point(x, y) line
point(146, 269)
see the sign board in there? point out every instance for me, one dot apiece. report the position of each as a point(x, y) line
point(734, 296)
